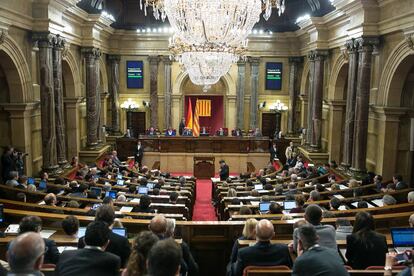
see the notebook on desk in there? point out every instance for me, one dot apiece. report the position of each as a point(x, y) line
point(402, 239)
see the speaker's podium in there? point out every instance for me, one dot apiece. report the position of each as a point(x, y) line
point(203, 167)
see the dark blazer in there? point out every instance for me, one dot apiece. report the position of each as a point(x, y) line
point(371, 251)
point(139, 154)
point(52, 254)
point(118, 245)
point(88, 262)
point(261, 254)
point(181, 128)
point(224, 172)
point(192, 266)
point(273, 154)
point(320, 261)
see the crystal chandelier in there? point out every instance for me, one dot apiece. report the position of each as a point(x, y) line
point(207, 63)
point(210, 35)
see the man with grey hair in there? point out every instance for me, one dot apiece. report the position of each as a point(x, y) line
point(263, 253)
point(410, 197)
point(25, 254)
point(389, 200)
point(314, 259)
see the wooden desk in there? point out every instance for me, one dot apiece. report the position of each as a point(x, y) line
point(213, 144)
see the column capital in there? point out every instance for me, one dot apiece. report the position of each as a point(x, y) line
point(318, 54)
point(166, 60)
point(409, 39)
point(241, 62)
point(351, 46)
point(3, 35)
point(43, 39)
point(254, 60)
point(153, 60)
point(295, 59)
point(91, 52)
point(114, 58)
point(58, 42)
point(366, 43)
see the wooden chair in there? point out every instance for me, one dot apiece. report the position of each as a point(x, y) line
point(263, 270)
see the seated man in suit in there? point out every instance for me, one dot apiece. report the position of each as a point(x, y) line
point(220, 132)
point(151, 131)
point(91, 260)
point(115, 160)
point(118, 245)
point(204, 132)
point(187, 132)
point(314, 259)
point(237, 132)
point(170, 132)
point(257, 133)
point(326, 233)
point(263, 253)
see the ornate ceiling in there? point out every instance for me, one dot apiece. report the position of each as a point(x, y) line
point(129, 16)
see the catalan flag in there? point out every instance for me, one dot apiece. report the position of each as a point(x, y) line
point(196, 124)
point(189, 121)
point(204, 108)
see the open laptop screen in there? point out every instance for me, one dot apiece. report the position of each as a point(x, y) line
point(119, 231)
point(264, 207)
point(142, 190)
point(258, 187)
point(402, 237)
point(289, 204)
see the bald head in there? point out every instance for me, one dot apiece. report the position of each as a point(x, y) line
point(158, 225)
point(264, 230)
point(26, 252)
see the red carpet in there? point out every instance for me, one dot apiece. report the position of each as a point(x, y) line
point(203, 209)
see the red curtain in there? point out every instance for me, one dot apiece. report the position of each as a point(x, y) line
point(216, 120)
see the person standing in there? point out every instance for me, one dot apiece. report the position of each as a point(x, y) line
point(7, 162)
point(224, 170)
point(181, 126)
point(273, 152)
point(139, 153)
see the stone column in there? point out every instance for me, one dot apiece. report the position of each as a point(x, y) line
point(241, 77)
point(168, 92)
point(254, 83)
point(317, 98)
point(153, 61)
point(47, 98)
point(293, 92)
point(92, 85)
point(309, 123)
point(350, 104)
point(114, 92)
point(365, 48)
point(58, 46)
point(98, 98)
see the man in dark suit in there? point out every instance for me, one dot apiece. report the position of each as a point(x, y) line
point(273, 152)
point(181, 126)
point(224, 170)
point(314, 259)
point(263, 253)
point(91, 260)
point(118, 245)
point(139, 153)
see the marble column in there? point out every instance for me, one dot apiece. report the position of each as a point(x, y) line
point(294, 63)
point(114, 92)
point(167, 92)
point(241, 77)
point(309, 123)
point(92, 85)
point(153, 61)
point(317, 98)
point(58, 46)
point(98, 99)
point(350, 103)
point(47, 98)
point(254, 93)
point(365, 48)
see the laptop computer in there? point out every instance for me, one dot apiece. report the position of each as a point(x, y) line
point(264, 207)
point(142, 190)
point(119, 176)
point(289, 205)
point(402, 239)
point(81, 232)
point(96, 191)
point(258, 187)
point(150, 186)
point(111, 194)
point(120, 231)
point(120, 182)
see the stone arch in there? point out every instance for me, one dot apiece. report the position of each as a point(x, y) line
point(71, 77)
point(338, 80)
point(183, 77)
point(394, 74)
point(17, 71)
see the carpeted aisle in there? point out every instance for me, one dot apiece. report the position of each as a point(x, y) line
point(203, 209)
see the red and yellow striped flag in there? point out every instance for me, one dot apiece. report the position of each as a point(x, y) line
point(189, 121)
point(196, 122)
point(204, 108)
